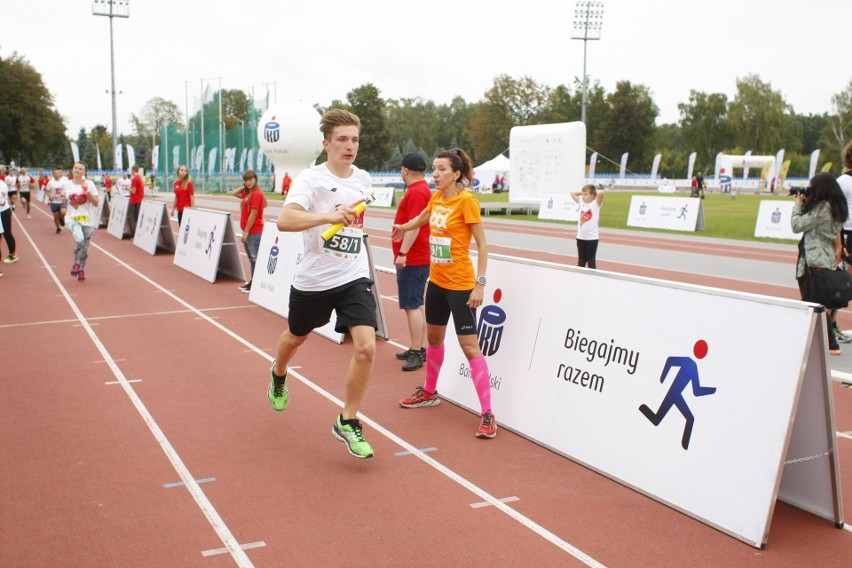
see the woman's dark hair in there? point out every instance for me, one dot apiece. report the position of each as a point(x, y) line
point(460, 162)
point(823, 187)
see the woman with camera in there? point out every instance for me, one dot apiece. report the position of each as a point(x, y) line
point(819, 213)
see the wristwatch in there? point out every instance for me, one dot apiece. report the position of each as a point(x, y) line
point(481, 280)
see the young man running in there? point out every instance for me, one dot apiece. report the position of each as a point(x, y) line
point(334, 274)
point(54, 196)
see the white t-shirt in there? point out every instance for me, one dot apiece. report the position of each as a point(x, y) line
point(587, 229)
point(123, 187)
point(24, 183)
point(4, 196)
point(845, 182)
point(341, 259)
point(54, 188)
point(80, 209)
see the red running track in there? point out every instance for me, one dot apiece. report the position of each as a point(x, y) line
point(136, 432)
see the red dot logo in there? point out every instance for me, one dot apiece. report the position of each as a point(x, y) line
point(700, 349)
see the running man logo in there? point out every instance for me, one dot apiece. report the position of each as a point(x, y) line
point(210, 238)
point(687, 372)
point(272, 131)
point(776, 216)
point(273, 257)
point(489, 330)
point(643, 208)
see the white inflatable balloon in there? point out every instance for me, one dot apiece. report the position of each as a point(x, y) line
point(289, 135)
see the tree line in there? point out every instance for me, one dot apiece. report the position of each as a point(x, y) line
point(757, 118)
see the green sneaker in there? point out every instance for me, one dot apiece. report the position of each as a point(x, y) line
point(277, 393)
point(350, 434)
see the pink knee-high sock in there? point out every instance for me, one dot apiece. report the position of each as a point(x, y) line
point(481, 381)
point(434, 360)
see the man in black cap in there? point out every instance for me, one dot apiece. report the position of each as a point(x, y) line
point(411, 258)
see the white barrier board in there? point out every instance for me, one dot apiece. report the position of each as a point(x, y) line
point(384, 196)
point(278, 260)
point(154, 230)
point(207, 245)
point(119, 224)
point(618, 398)
point(773, 220)
point(675, 213)
point(558, 208)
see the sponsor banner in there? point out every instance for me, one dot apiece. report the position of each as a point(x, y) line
point(674, 213)
point(383, 196)
point(559, 207)
point(680, 400)
point(202, 238)
point(278, 259)
point(773, 220)
point(154, 230)
point(118, 224)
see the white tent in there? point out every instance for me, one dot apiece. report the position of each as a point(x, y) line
point(485, 173)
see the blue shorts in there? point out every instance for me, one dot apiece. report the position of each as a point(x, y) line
point(411, 282)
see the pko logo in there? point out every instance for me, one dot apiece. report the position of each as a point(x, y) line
point(489, 330)
point(272, 131)
point(273, 257)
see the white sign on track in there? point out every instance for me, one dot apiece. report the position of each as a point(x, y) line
point(674, 213)
point(277, 262)
point(773, 220)
point(546, 159)
point(119, 224)
point(155, 230)
point(207, 245)
point(680, 399)
point(559, 208)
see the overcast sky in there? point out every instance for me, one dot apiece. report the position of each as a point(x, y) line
point(318, 51)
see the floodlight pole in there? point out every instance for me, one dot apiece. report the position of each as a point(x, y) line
point(112, 9)
point(588, 20)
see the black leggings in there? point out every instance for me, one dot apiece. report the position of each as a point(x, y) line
point(586, 253)
point(6, 218)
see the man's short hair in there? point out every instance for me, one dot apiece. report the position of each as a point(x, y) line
point(337, 117)
point(414, 162)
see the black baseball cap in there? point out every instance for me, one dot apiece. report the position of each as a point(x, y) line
point(414, 162)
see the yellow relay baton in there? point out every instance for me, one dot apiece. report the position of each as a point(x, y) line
point(331, 231)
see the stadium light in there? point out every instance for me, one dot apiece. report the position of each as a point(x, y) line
point(112, 9)
point(588, 21)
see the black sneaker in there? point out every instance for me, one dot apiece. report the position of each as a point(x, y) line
point(404, 355)
point(414, 361)
point(245, 288)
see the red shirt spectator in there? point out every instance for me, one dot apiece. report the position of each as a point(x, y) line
point(137, 189)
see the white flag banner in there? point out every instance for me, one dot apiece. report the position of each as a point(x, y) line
point(718, 166)
point(745, 169)
point(131, 156)
point(593, 160)
point(117, 158)
point(259, 161)
point(176, 156)
point(75, 151)
point(100, 166)
point(211, 161)
point(155, 157)
point(779, 160)
point(814, 159)
point(623, 168)
point(691, 165)
point(250, 158)
point(655, 166)
point(199, 158)
point(243, 160)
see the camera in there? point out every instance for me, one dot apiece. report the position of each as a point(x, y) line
point(798, 190)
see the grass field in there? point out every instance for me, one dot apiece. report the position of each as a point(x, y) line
point(724, 217)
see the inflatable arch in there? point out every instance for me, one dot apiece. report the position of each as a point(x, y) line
point(725, 164)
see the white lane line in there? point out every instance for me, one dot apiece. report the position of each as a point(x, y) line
point(217, 551)
point(231, 544)
point(407, 453)
point(119, 382)
point(487, 504)
point(180, 483)
point(441, 468)
point(125, 316)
